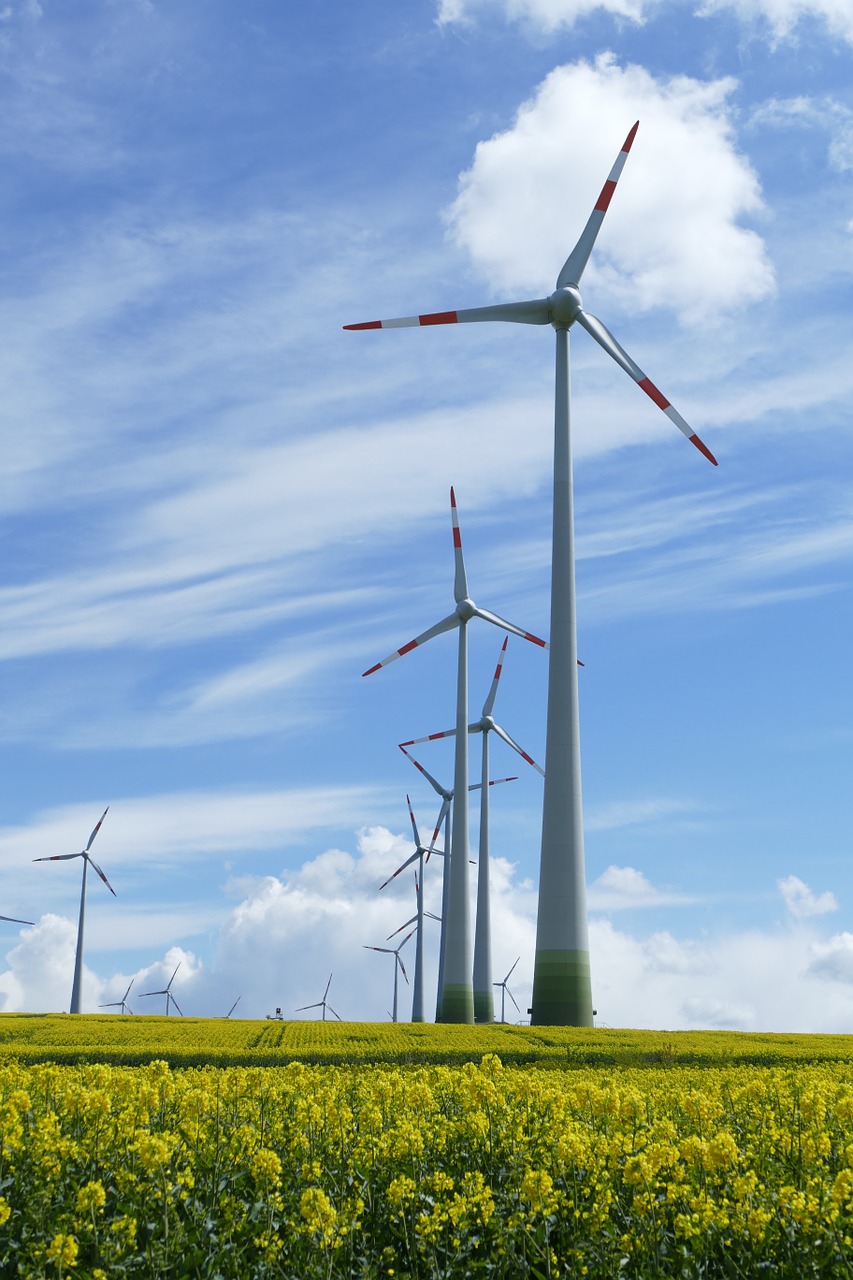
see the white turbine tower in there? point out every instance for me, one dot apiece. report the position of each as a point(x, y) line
point(484, 1003)
point(87, 858)
point(121, 1004)
point(562, 993)
point(399, 967)
point(167, 992)
point(322, 1004)
point(457, 993)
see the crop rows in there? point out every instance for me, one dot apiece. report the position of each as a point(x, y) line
point(134, 1041)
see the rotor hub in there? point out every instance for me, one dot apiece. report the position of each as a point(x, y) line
point(466, 609)
point(565, 305)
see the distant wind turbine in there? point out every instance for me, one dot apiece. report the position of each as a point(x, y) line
point(87, 858)
point(457, 995)
point(322, 1004)
point(399, 967)
point(121, 1004)
point(420, 853)
point(562, 992)
point(484, 1008)
point(505, 991)
point(167, 992)
point(444, 816)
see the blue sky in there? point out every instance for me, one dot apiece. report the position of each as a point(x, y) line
point(217, 508)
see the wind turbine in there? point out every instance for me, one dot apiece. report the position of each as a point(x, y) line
point(420, 853)
point(167, 992)
point(484, 1005)
point(505, 991)
point(457, 993)
point(121, 1004)
point(562, 994)
point(443, 816)
point(87, 858)
point(322, 1004)
point(399, 967)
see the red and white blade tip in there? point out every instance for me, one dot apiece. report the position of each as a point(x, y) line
point(408, 322)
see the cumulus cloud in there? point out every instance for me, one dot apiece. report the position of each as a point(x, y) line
point(621, 888)
point(544, 15)
point(801, 902)
point(285, 935)
point(673, 235)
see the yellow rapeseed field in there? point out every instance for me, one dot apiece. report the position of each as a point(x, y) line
point(369, 1169)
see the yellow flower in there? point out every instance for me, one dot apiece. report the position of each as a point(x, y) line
point(266, 1166)
point(318, 1214)
point(91, 1197)
point(63, 1251)
point(5, 1211)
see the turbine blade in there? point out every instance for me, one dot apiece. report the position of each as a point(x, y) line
point(388, 950)
point(337, 1015)
point(511, 742)
point(509, 975)
point(172, 979)
point(60, 857)
point(446, 624)
point(498, 621)
point(460, 582)
point(605, 339)
point(430, 737)
point(512, 998)
point(175, 1003)
point(414, 824)
point(573, 267)
point(496, 782)
point(533, 312)
point(97, 828)
point(95, 867)
point(488, 705)
point(13, 920)
point(442, 814)
point(407, 863)
point(303, 1007)
point(400, 930)
point(403, 967)
point(328, 984)
point(436, 786)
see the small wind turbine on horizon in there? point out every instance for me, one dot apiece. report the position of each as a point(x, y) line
point(167, 992)
point(399, 967)
point(562, 991)
point(484, 1005)
point(505, 991)
point(322, 1004)
point(87, 859)
point(121, 1004)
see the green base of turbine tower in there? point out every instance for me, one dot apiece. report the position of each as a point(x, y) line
point(484, 1007)
point(562, 993)
point(457, 1004)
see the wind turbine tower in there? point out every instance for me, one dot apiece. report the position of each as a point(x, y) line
point(87, 858)
point(562, 992)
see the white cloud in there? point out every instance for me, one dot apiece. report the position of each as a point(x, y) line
point(833, 958)
point(781, 16)
point(625, 888)
point(672, 236)
point(801, 902)
point(827, 114)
